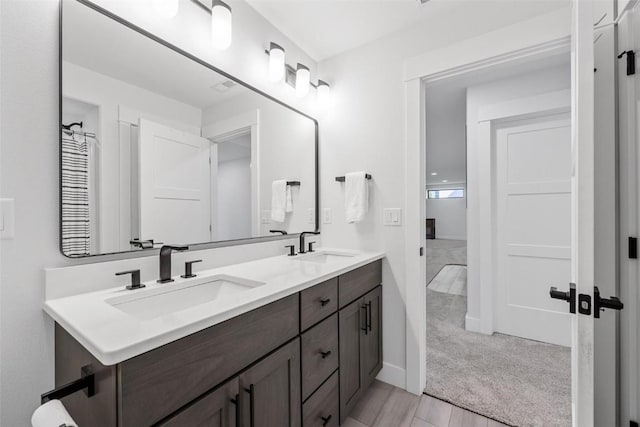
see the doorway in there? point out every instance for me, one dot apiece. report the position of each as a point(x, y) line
point(497, 190)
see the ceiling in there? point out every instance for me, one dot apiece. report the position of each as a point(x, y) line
point(325, 28)
point(93, 41)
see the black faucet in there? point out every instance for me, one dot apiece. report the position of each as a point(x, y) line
point(304, 233)
point(284, 233)
point(165, 262)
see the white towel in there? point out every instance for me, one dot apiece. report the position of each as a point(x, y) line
point(356, 196)
point(281, 202)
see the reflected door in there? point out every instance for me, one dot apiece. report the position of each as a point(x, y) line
point(174, 185)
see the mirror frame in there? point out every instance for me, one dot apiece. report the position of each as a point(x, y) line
point(151, 36)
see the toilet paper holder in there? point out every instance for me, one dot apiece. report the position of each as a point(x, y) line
point(86, 382)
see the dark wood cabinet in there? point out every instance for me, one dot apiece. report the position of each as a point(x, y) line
point(271, 390)
point(372, 340)
point(360, 326)
point(299, 361)
point(218, 408)
point(351, 324)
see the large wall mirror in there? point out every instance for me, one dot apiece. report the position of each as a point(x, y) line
point(158, 147)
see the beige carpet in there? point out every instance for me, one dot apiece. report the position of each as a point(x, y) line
point(513, 380)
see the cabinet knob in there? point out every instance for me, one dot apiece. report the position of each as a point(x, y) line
point(325, 420)
point(325, 354)
point(325, 301)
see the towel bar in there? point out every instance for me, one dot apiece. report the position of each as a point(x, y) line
point(86, 381)
point(342, 178)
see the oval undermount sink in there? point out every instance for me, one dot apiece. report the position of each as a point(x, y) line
point(153, 302)
point(324, 257)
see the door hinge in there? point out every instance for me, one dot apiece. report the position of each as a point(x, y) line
point(631, 61)
point(633, 248)
point(421, 251)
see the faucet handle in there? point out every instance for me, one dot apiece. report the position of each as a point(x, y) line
point(292, 250)
point(311, 247)
point(188, 269)
point(135, 279)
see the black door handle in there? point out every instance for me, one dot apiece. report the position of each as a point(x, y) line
point(568, 296)
point(599, 304)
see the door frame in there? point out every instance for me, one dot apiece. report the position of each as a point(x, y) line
point(510, 46)
point(226, 128)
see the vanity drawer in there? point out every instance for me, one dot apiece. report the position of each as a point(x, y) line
point(319, 354)
point(356, 283)
point(322, 409)
point(318, 302)
point(155, 384)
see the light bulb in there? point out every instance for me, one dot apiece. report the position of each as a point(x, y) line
point(303, 80)
point(276, 62)
point(165, 9)
point(324, 93)
point(221, 25)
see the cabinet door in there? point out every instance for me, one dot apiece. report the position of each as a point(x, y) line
point(270, 390)
point(372, 340)
point(351, 324)
point(218, 408)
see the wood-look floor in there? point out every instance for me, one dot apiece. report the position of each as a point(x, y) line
point(386, 406)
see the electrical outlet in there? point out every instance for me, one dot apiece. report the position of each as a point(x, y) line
point(392, 217)
point(7, 215)
point(311, 216)
point(327, 216)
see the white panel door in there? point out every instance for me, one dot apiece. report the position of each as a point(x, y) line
point(533, 194)
point(174, 185)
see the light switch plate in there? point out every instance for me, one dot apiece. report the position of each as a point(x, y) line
point(7, 215)
point(327, 216)
point(392, 217)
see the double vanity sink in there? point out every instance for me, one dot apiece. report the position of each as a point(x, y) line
point(212, 349)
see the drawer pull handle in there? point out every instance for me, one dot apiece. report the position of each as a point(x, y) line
point(369, 316)
point(366, 317)
point(325, 354)
point(251, 405)
point(325, 301)
point(236, 402)
point(325, 420)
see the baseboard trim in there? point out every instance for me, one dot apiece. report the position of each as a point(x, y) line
point(472, 323)
point(394, 375)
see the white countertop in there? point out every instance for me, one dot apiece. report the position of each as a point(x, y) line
point(113, 336)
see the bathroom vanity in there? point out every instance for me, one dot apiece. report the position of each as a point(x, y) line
point(302, 357)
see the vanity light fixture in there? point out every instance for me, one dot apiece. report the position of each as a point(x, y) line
point(221, 25)
point(324, 92)
point(166, 9)
point(303, 80)
point(276, 62)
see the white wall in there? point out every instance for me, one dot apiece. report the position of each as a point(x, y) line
point(364, 130)
point(234, 198)
point(286, 144)
point(554, 79)
point(450, 214)
point(29, 173)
